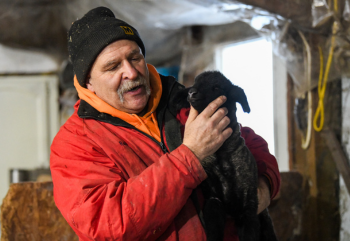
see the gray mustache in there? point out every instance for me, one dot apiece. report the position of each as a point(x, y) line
point(130, 84)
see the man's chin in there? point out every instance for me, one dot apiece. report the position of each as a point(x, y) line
point(136, 105)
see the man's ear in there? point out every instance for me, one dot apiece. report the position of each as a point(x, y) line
point(89, 85)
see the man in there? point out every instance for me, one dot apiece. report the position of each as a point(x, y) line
point(122, 166)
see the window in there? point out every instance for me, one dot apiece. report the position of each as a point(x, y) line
point(252, 66)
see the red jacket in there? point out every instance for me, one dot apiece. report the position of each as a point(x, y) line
point(111, 182)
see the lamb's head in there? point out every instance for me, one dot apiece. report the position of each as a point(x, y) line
point(210, 85)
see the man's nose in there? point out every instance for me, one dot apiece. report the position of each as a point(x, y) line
point(129, 71)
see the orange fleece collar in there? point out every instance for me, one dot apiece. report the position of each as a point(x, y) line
point(147, 123)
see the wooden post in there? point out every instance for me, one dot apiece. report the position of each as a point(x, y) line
point(321, 219)
point(339, 156)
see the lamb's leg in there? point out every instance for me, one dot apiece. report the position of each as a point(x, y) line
point(214, 218)
point(267, 232)
point(240, 173)
point(214, 214)
point(249, 231)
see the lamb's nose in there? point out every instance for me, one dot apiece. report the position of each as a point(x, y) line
point(192, 92)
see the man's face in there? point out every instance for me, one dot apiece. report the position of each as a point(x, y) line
point(119, 76)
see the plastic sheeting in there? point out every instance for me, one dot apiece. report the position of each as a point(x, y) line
point(300, 47)
point(297, 45)
point(164, 29)
point(161, 24)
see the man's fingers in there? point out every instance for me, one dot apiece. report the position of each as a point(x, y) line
point(219, 115)
point(223, 123)
point(213, 106)
point(227, 133)
point(205, 132)
point(263, 194)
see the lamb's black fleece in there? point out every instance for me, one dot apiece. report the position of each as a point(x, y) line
point(231, 186)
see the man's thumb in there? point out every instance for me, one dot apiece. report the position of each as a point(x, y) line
point(192, 115)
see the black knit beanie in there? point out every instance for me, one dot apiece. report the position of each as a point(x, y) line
point(89, 35)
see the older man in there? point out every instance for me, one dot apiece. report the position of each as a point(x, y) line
point(126, 162)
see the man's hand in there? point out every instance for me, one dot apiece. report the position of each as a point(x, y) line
point(206, 132)
point(263, 194)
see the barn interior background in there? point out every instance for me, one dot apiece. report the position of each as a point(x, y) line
point(311, 43)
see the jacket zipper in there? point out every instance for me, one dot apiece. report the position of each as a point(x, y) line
point(165, 150)
point(161, 144)
point(163, 147)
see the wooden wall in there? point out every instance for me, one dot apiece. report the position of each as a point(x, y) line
point(321, 218)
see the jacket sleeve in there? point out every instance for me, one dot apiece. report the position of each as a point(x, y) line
point(101, 203)
point(267, 164)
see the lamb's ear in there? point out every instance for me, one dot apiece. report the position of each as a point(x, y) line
point(180, 99)
point(237, 94)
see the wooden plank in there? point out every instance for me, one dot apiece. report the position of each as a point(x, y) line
point(339, 156)
point(291, 124)
point(28, 212)
point(286, 211)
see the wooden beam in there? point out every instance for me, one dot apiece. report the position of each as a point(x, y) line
point(339, 156)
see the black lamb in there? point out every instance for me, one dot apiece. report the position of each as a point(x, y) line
point(231, 186)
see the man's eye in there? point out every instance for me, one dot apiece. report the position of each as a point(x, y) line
point(113, 67)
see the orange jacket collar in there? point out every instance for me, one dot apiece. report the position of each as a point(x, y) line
point(147, 123)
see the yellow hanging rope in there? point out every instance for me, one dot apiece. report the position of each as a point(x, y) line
point(335, 6)
point(320, 110)
point(323, 84)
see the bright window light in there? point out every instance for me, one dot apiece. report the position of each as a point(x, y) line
point(250, 65)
